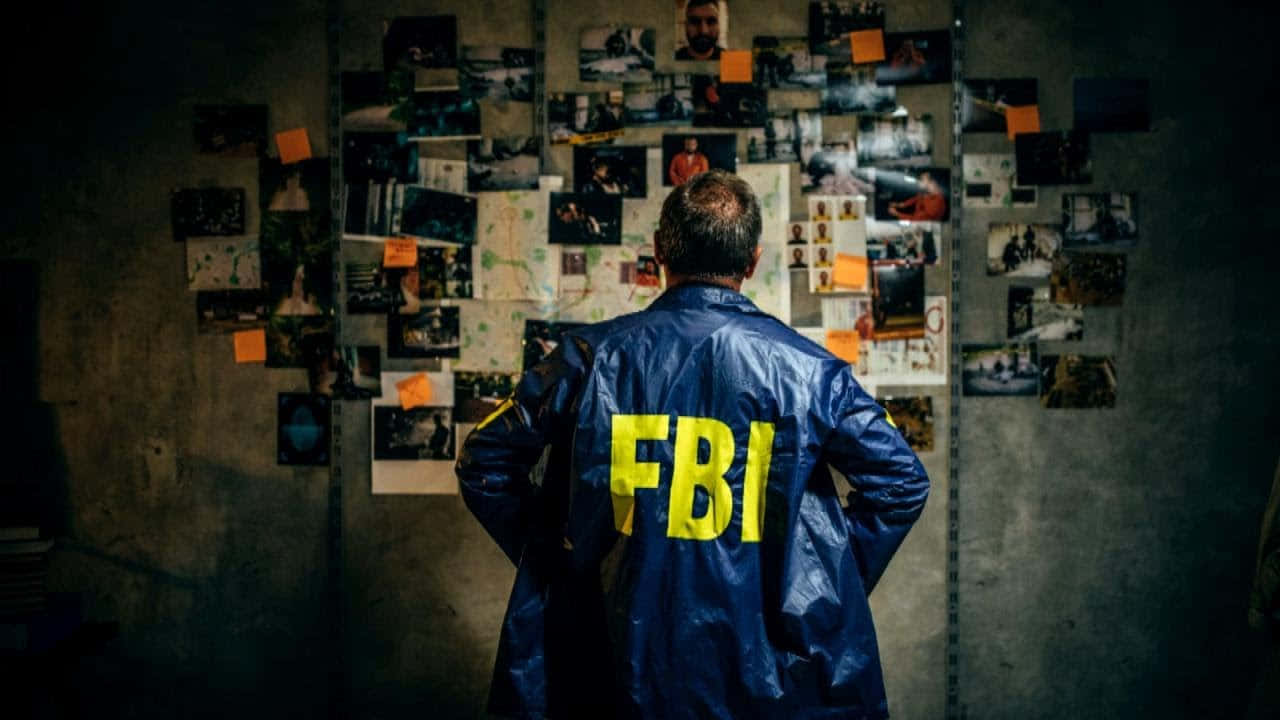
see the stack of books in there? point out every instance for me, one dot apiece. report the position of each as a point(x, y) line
point(24, 569)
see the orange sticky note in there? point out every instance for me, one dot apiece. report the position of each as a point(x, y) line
point(415, 391)
point(735, 66)
point(1022, 119)
point(294, 145)
point(867, 46)
point(850, 271)
point(400, 253)
point(251, 346)
point(843, 344)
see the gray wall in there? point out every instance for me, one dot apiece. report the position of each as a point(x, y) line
point(1104, 555)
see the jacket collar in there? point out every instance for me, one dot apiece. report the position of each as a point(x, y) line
point(695, 294)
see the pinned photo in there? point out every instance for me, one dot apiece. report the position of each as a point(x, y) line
point(231, 130)
point(785, 63)
point(297, 264)
point(820, 232)
point(786, 136)
point(375, 101)
point(647, 272)
point(806, 307)
point(229, 311)
point(913, 417)
point(822, 255)
point(585, 219)
point(1078, 381)
point(409, 43)
point(687, 155)
point(1088, 278)
point(497, 73)
point(990, 181)
point(852, 89)
point(302, 429)
point(573, 262)
point(833, 170)
point(371, 208)
point(665, 100)
point(432, 332)
point(379, 157)
point(616, 54)
point(850, 208)
point(1018, 250)
point(797, 261)
point(1053, 158)
point(913, 242)
point(438, 215)
point(296, 342)
point(821, 280)
point(441, 174)
point(442, 115)
point(717, 104)
point(476, 395)
point(897, 300)
point(577, 118)
point(992, 370)
point(297, 187)
point(912, 194)
point(350, 372)
point(1112, 105)
point(1033, 316)
point(541, 337)
point(702, 29)
point(444, 272)
point(610, 170)
point(200, 212)
point(420, 433)
point(232, 263)
point(796, 235)
point(983, 102)
point(905, 141)
point(831, 22)
point(508, 163)
point(916, 58)
point(1099, 220)
point(368, 289)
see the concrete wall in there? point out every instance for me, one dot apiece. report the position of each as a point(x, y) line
point(1104, 555)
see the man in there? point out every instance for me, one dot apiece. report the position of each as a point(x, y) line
point(701, 31)
point(822, 236)
point(797, 235)
point(822, 260)
point(928, 204)
point(797, 259)
point(686, 554)
point(820, 211)
point(687, 164)
point(847, 213)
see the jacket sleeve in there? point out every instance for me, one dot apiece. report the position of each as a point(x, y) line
point(498, 456)
point(889, 483)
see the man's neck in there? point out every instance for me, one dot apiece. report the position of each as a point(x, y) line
point(676, 280)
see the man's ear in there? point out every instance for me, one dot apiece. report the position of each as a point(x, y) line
point(755, 260)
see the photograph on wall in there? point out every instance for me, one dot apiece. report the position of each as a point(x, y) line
point(228, 311)
point(231, 130)
point(1078, 381)
point(352, 372)
point(409, 43)
point(797, 234)
point(833, 170)
point(444, 272)
point(852, 89)
point(797, 259)
point(420, 433)
point(702, 29)
point(717, 104)
point(687, 154)
point(541, 337)
point(823, 257)
point(910, 361)
point(1088, 278)
point(296, 264)
point(913, 417)
point(442, 174)
point(404, 293)
point(230, 263)
point(664, 100)
point(575, 118)
point(573, 272)
point(1099, 220)
point(202, 212)
point(302, 429)
point(915, 58)
point(506, 163)
point(1112, 105)
point(379, 157)
point(296, 341)
point(610, 170)
point(1033, 316)
point(918, 242)
point(1053, 158)
point(585, 219)
point(442, 115)
point(991, 181)
point(375, 101)
point(476, 395)
point(988, 370)
point(785, 63)
point(372, 209)
point(806, 306)
point(983, 102)
point(831, 22)
point(616, 54)
point(432, 332)
point(897, 300)
point(296, 187)
point(906, 141)
point(436, 215)
point(496, 73)
point(786, 136)
point(912, 194)
point(1021, 250)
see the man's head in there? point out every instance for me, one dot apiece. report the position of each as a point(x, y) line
point(848, 207)
point(822, 207)
point(796, 231)
point(710, 229)
point(822, 230)
point(822, 253)
point(797, 255)
point(691, 144)
point(702, 27)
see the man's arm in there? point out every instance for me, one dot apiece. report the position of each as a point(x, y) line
point(672, 173)
point(494, 465)
point(890, 484)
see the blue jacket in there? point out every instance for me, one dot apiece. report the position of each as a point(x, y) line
point(686, 554)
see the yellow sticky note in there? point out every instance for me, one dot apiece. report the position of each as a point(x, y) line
point(735, 66)
point(867, 46)
point(850, 271)
point(400, 253)
point(294, 145)
point(1022, 119)
point(414, 390)
point(251, 346)
point(844, 345)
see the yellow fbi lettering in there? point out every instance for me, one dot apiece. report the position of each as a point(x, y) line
point(626, 474)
